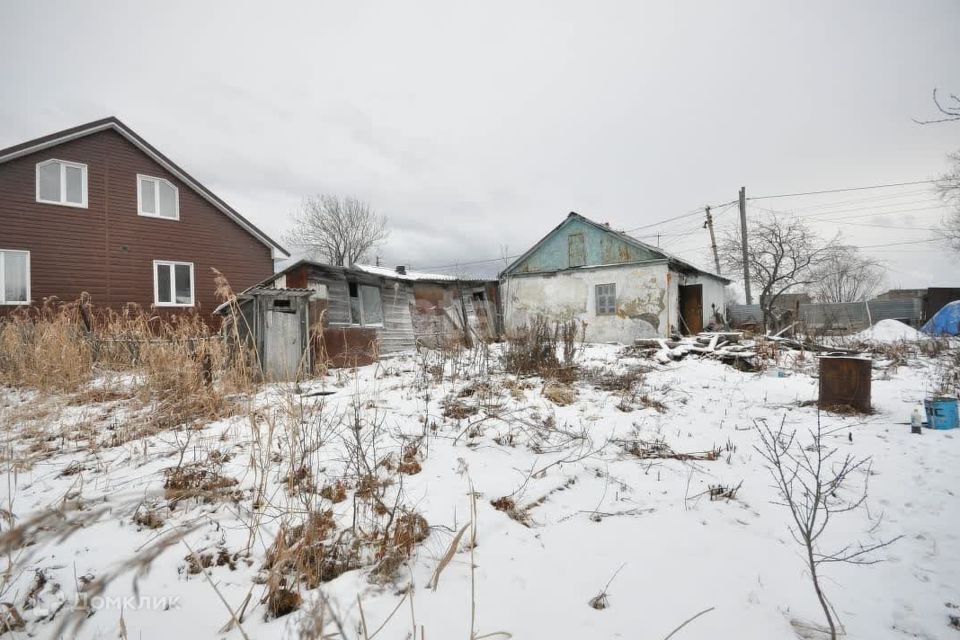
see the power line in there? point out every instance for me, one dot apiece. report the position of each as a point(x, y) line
point(814, 193)
point(916, 212)
point(695, 212)
point(817, 217)
point(855, 201)
point(909, 207)
point(881, 226)
point(894, 244)
point(474, 262)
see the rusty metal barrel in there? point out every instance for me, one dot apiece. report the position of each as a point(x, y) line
point(845, 382)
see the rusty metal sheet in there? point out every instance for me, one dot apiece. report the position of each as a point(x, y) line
point(845, 382)
point(350, 346)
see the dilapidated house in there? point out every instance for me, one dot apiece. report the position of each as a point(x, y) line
point(622, 288)
point(367, 310)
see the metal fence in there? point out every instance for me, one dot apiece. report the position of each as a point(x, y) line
point(842, 316)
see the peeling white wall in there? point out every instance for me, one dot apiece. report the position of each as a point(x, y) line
point(647, 300)
point(643, 307)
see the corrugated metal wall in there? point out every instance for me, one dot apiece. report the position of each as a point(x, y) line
point(397, 331)
point(844, 315)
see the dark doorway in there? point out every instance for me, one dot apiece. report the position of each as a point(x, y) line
point(691, 309)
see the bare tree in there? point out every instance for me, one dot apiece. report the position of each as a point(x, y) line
point(341, 231)
point(949, 187)
point(846, 276)
point(949, 183)
point(783, 254)
point(811, 483)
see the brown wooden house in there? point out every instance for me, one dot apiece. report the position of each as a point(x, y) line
point(98, 209)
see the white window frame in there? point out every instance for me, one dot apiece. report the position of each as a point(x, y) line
point(156, 198)
point(3, 293)
point(63, 183)
point(173, 284)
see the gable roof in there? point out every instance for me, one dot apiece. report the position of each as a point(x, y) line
point(573, 216)
point(114, 124)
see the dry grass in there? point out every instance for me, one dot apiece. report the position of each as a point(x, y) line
point(660, 450)
point(148, 518)
point(143, 373)
point(508, 505)
point(559, 393)
point(47, 348)
point(456, 410)
point(542, 349)
point(605, 379)
point(398, 542)
point(201, 480)
point(410, 460)
point(335, 493)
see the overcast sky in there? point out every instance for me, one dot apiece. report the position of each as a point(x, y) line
point(477, 126)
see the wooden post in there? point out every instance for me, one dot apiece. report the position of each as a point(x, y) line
point(713, 240)
point(466, 322)
point(743, 244)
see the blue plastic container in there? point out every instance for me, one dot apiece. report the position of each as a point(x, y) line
point(942, 413)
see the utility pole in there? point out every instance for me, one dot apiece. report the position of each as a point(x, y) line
point(713, 239)
point(743, 243)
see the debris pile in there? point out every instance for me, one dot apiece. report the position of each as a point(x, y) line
point(730, 347)
point(725, 346)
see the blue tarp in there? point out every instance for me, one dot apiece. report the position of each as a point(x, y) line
point(945, 322)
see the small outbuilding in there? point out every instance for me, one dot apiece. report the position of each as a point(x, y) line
point(275, 323)
point(368, 310)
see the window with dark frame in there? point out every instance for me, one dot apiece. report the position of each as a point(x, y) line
point(283, 305)
point(606, 299)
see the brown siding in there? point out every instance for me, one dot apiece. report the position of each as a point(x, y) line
point(107, 249)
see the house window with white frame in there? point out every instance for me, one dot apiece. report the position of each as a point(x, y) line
point(365, 306)
point(14, 277)
point(157, 198)
point(172, 284)
point(606, 299)
point(63, 183)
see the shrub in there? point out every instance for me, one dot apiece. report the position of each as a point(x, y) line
point(541, 349)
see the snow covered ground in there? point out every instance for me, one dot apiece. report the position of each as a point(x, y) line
point(890, 331)
point(588, 510)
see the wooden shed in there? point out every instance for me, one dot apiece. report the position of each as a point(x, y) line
point(276, 323)
point(369, 310)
